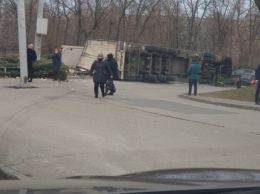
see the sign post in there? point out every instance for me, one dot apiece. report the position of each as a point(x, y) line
point(41, 29)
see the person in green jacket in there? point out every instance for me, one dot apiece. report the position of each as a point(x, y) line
point(193, 74)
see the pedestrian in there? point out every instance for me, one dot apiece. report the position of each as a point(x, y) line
point(257, 77)
point(56, 63)
point(100, 71)
point(193, 74)
point(31, 58)
point(114, 69)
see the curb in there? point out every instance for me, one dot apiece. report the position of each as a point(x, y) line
point(208, 101)
point(10, 174)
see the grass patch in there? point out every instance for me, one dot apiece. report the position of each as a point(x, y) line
point(242, 94)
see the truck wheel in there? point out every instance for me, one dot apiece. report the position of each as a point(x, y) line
point(143, 72)
point(228, 59)
point(209, 55)
point(150, 77)
point(208, 59)
point(161, 78)
point(170, 78)
point(206, 76)
point(151, 48)
point(163, 50)
point(172, 51)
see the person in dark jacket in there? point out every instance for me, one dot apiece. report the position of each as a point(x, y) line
point(257, 77)
point(193, 74)
point(56, 63)
point(100, 71)
point(114, 69)
point(31, 58)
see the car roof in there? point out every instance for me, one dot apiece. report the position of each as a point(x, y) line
point(247, 74)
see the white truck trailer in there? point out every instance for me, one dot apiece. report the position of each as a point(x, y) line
point(144, 62)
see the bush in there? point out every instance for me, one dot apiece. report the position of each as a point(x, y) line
point(46, 57)
point(13, 74)
point(228, 81)
point(2, 74)
point(40, 74)
point(10, 59)
point(43, 71)
point(63, 74)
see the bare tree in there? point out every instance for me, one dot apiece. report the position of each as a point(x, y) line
point(219, 25)
point(257, 2)
point(195, 11)
point(172, 11)
point(124, 5)
point(142, 11)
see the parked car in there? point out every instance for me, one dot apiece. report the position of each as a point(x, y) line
point(245, 80)
point(239, 72)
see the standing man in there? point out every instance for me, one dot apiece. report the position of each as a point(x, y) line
point(193, 74)
point(100, 71)
point(31, 58)
point(257, 77)
point(114, 69)
point(56, 63)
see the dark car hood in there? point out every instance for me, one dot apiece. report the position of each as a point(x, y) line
point(180, 180)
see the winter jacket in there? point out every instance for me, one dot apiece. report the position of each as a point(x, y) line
point(114, 67)
point(31, 57)
point(257, 73)
point(100, 71)
point(193, 70)
point(56, 59)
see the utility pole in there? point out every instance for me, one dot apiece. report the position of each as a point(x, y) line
point(22, 44)
point(38, 36)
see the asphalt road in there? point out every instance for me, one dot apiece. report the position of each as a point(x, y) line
point(60, 130)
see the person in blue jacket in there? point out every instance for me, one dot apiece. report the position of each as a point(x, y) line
point(56, 59)
point(100, 71)
point(193, 74)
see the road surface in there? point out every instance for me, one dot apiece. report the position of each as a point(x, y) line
point(60, 130)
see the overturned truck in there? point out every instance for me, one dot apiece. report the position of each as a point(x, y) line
point(148, 63)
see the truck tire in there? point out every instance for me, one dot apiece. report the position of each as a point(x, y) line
point(163, 50)
point(145, 53)
point(151, 48)
point(207, 81)
point(228, 59)
point(170, 78)
point(144, 72)
point(173, 51)
point(206, 76)
point(150, 77)
point(209, 55)
point(208, 59)
point(161, 78)
point(168, 50)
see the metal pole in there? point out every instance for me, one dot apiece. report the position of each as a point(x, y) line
point(38, 37)
point(22, 43)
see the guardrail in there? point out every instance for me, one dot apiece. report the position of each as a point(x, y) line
point(6, 68)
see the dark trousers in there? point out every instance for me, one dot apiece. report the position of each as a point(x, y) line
point(102, 87)
point(30, 73)
point(257, 92)
point(55, 70)
point(191, 83)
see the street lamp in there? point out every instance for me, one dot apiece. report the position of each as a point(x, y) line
point(22, 44)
